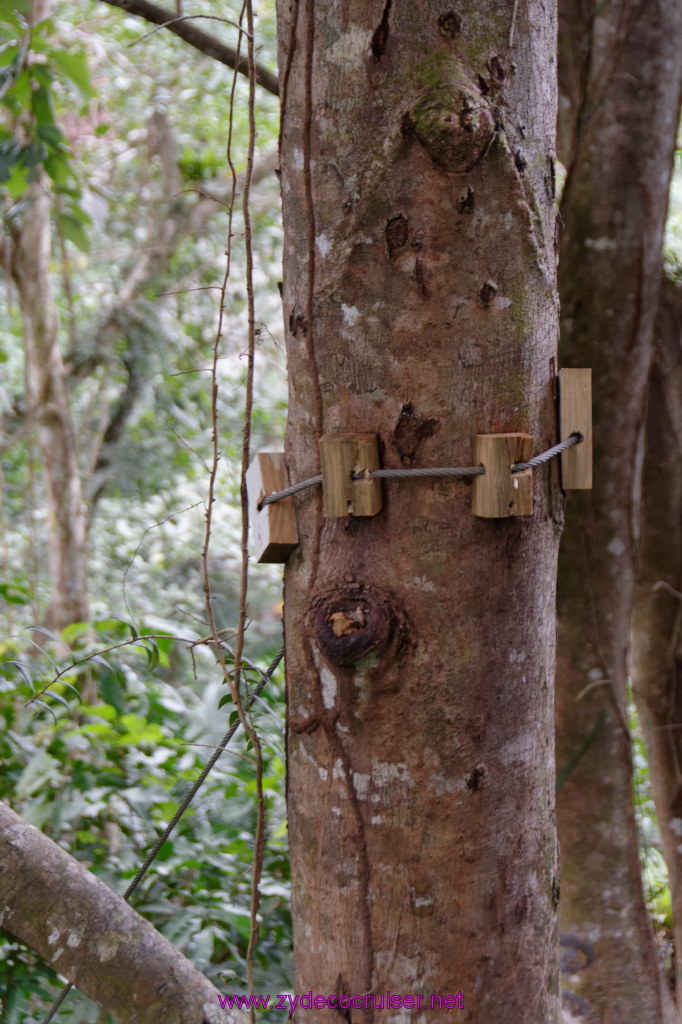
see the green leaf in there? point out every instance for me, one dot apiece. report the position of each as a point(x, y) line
point(24, 672)
point(152, 654)
point(165, 643)
point(93, 729)
point(17, 183)
point(110, 628)
point(73, 230)
point(33, 155)
point(12, 15)
point(10, 70)
point(139, 731)
point(19, 95)
point(104, 711)
point(14, 593)
point(68, 686)
point(40, 769)
point(45, 632)
point(112, 688)
point(57, 697)
point(50, 134)
point(43, 76)
point(10, 153)
point(46, 707)
point(75, 67)
point(74, 631)
point(81, 215)
point(43, 106)
point(58, 168)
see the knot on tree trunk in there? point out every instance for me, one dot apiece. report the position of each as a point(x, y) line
point(352, 621)
point(451, 119)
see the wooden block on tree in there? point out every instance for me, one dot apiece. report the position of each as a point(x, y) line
point(501, 493)
point(342, 457)
point(273, 528)
point(575, 414)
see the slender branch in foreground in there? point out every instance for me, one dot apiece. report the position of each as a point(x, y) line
point(261, 818)
point(199, 40)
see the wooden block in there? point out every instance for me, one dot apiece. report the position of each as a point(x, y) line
point(273, 528)
point(575, 414)
point(500, 492)
point(342, 456)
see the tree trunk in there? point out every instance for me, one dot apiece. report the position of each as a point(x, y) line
point(417, 168)
point(657, 641)
point(47, 402)
point(621, 76)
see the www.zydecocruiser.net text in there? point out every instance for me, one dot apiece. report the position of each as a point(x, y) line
point(377, 1001)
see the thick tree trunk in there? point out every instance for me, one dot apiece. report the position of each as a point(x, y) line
point(47, 403)
point(657, 640)
point(621, 76)
point(419, 297)
point(93, 938)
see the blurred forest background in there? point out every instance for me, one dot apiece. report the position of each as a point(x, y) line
point(126, 129)
point(128, 134)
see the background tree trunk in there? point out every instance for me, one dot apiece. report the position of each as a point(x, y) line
point(48, 405)
point(657, 643)
point(620, 74)
point(419, 301)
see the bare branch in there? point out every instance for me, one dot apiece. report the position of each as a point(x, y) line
point(195, 37)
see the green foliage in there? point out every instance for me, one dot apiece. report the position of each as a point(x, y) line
point(103, 776)
point(98, 746)
point(672, 246)
point(35, 66)
point(654, 870)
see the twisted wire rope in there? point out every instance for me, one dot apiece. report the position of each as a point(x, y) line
point(399, 474)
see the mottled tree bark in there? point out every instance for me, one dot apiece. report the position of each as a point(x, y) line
point(47, 403)
point(419, 299)
point(92, 937)
point(620, 73)
point(657, 640)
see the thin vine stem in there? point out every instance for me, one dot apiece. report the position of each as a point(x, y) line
point(233, 679)
point(261, 809)
point(215, 636)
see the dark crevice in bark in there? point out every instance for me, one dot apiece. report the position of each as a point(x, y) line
point(290, 53)
point(364, 871)
point(310, 208)
point(450, 24)
point(380, 36)
point(411, 433)
point(397, 232)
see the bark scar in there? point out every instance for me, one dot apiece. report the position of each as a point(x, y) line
point(380, 37)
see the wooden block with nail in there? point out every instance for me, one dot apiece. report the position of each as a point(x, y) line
point(273, 527)
point(575, 416)
point(347, 460)
point(500, 493)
